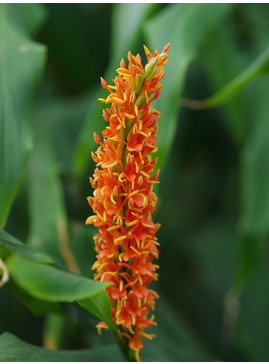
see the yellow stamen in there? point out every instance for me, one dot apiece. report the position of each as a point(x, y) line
point(103, 275)
point(131, 223)
point(114, 98)
point(131, 330)
point(146, 335)
point(147, 225)
point(133, 320)
point(113, 228)
point(112, 199)
point(137, 358)
point(142, 133)
point(129, 116)
point(102, 266)
point(154, 294)
point(133, 193)
point(144, 174)
point(120, 238)
point(95, 265)
point(136, 251)
point(110, 165)
point(100, 326)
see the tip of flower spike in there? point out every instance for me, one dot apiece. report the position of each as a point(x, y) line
point(97, 138)
point(103, 82)
point(147, 52)
point(122, 63)
point(166, 47)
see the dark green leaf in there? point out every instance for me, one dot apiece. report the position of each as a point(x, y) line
point(185, 27)
point(222, 49)
point(15, 246)
point(100, 307)
point(21, 64)
point(27, 17)
point(51, 284)
point(254, 219)
point(259, 66)
point(48, 222)
point(124, 39)
point(13, 349)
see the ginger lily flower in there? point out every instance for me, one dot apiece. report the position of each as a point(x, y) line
point(123, 198)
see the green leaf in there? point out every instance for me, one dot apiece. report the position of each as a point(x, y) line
point(259, 66)
point(222, 49)
point(51, 284)
point(21, 64)
point(100, 307)
point(123, 39)
point(251, 335)
point(27, 17)
point(185, 27)
point(15, 246)
point(254, 219)
point(13, 349)
point(48, 283)
point(48, 221)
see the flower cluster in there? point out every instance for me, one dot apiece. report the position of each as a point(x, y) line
point(123, 198)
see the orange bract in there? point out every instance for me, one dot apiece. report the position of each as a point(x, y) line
point(123, 199)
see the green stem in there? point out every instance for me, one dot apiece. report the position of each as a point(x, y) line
point(128, 353)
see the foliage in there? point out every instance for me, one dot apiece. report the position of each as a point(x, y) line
point(213, 155)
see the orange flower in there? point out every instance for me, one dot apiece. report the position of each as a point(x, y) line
point(123, 200)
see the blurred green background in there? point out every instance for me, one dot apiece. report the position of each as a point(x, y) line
point(214, 161)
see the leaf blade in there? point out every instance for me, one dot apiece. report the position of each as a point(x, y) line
point(49, 283)
point(185, 27)
point(21, 64)
point(13, 349)
point(15, 246)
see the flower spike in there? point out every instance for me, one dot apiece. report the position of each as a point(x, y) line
point(123, 199)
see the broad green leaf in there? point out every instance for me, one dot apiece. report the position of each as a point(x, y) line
point(254, 219)
point(51, 284)
point(15, 246)
point(56, 115)
point(21, 64)
point(252, 330)
point(27, 17)
point(48, 221)
point(259, 66)
point(185, 27)
point(100, 307)
point(49, 182)
point(123, 39)
point(222, 49)
point(13, 349)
